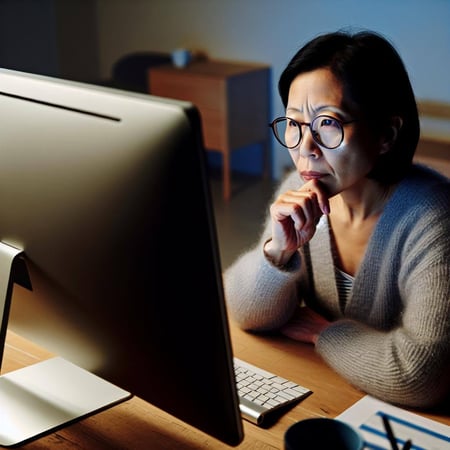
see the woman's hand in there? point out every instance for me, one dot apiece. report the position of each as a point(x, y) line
point(305, 326)
point(295, 215)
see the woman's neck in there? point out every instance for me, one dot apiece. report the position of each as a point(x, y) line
point(361, 203)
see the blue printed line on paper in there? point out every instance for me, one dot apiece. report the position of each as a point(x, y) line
point(382, 434)
point(415, 427)
point(370, 446)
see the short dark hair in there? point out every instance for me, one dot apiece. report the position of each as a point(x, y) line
point(374, 80)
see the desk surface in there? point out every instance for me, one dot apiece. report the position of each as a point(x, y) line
point(136, 425)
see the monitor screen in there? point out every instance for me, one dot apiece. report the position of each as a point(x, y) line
point(106, 195)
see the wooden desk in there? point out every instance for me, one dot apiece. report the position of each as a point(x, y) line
point(233, 100)
point(137, 425)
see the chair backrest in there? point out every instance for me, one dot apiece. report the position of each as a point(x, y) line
point(130, 71)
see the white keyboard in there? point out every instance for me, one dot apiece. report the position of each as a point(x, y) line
point(261, 392)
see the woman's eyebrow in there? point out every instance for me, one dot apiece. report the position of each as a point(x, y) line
point(317, 109)
point(292, 109)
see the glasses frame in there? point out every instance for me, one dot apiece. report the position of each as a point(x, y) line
point(314, 133)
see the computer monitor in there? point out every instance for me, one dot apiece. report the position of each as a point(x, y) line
point(105, 200)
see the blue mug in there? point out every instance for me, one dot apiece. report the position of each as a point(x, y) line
point(181, 57)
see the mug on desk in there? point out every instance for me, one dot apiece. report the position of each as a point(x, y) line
point(322, 433)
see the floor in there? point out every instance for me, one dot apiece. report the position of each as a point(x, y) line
point(239, 221)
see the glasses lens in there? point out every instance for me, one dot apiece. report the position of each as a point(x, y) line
point(327, 131)
point(287, 131)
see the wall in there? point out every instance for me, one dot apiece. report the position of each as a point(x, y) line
point(271, 31)
point(28, 36)
point(81, 39)
point(50, 37)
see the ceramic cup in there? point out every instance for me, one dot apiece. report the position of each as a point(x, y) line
point(322, 433)
point(181, 57)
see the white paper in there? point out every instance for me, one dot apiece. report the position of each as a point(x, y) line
point(366, 416)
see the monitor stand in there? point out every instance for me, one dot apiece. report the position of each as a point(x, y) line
point(44, 396)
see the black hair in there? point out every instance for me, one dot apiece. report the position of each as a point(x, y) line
point(374, 81)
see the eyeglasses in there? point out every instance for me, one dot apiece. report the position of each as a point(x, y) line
point(326, 131)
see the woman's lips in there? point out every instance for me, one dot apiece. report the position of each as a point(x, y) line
point(311, 175)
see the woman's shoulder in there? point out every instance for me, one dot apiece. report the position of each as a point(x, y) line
point(424, 192)
point(426, 185)
point(428, 174)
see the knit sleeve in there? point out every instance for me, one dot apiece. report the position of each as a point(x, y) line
point(400, 350)
point(260, 296)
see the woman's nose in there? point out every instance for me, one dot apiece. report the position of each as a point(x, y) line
point(308, 147)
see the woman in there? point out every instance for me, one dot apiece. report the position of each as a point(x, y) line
point(355, 254)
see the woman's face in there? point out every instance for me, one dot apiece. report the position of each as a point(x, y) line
point(344, 168)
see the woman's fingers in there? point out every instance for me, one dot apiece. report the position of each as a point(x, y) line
point(295, 215)
point(302, 207)
point(317, 188)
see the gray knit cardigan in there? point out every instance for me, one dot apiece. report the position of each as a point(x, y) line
point(392, 337)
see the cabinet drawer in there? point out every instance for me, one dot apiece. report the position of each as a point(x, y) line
point(204, 92)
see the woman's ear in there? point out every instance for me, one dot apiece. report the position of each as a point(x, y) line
point(391, 134)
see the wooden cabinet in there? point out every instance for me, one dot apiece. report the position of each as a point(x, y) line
point(233, 101)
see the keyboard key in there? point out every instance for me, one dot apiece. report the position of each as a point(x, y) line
point(261, 392)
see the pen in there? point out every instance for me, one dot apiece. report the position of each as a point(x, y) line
point(407, 445)
point(389, 432)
